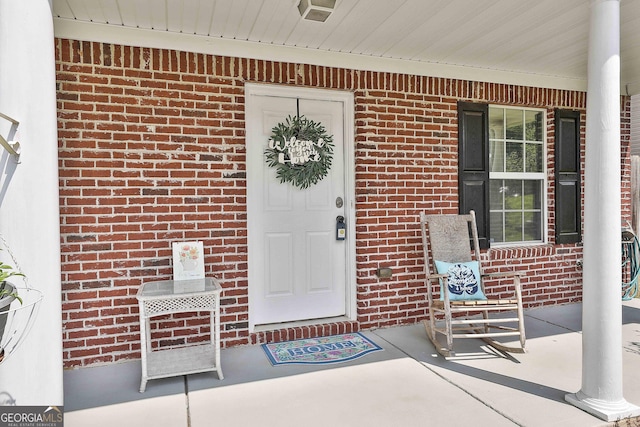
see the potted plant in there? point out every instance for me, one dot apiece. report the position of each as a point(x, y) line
point(8, 293)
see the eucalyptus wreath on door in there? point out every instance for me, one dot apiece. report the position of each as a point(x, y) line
point(300, 150)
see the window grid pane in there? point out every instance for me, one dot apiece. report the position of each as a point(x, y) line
point(496, 189)
point(496, 156)
point(514, 157)
point(533, 157)
point(531, 195)
point(513, 195)
point(532, 226)
point(496, 123)
point(514, 124)
point(533, 125)
point(497, 227)
point(513, 227)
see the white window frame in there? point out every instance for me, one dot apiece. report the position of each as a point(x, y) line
point(538, 176)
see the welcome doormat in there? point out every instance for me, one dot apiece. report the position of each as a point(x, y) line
point(331, 349)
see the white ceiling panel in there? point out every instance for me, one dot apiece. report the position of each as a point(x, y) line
point(200, 17)
point(62, 9)
point(158, 17)
point(235, 13)
point(361, 22)
point(220, 17)
point(110, 12)
point(127, 10)
point(428, 41)
point(272, 19)
point(76, 9)
point(282, 35)
point(396, 29)
point(177, 12)
point(248, 19)
point(543, 37)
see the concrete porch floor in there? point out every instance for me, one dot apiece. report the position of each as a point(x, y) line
point(407, 384)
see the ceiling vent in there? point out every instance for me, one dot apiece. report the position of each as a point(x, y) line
point(316, 10)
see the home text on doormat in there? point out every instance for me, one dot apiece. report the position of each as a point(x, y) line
point(331, 349)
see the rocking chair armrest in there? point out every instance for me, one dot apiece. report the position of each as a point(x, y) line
point(503, 274)
point(435, 279)
point(438, 276)
point(506, 274)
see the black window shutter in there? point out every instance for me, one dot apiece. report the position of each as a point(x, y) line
point(473, 164)
point(567, 179)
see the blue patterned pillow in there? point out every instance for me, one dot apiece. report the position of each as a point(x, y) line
point(463, 282)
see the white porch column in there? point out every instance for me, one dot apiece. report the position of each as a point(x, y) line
point(29, 200)
point(601, 392)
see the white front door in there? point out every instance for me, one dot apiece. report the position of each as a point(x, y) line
point(297, 267)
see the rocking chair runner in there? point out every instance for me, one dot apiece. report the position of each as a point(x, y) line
point(453, 271)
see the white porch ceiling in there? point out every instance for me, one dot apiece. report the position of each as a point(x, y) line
point(545, 41)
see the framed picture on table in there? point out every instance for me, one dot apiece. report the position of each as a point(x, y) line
point(188, 264)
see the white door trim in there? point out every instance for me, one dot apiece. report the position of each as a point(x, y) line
point(346, 98)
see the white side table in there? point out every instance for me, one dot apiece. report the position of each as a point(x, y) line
point(168, 297)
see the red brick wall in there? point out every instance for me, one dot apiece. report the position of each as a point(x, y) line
point(151, 149)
